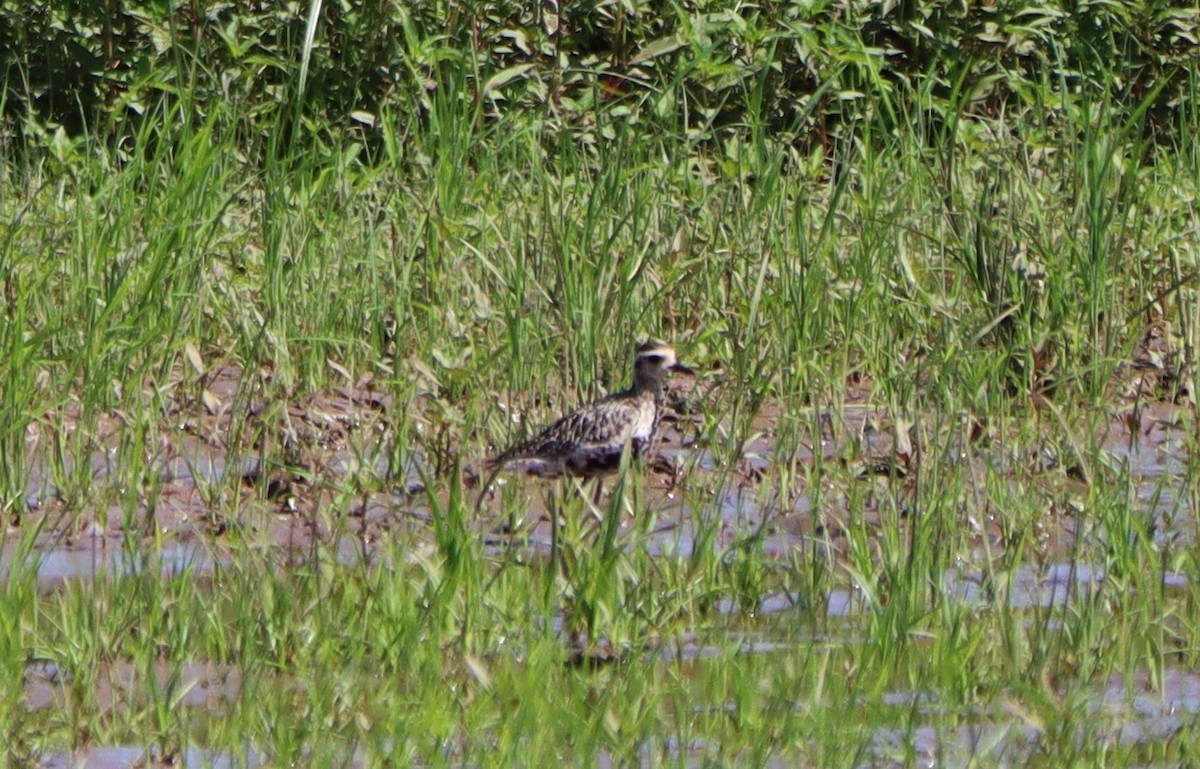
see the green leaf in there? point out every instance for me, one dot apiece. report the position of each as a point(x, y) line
point(504, 77)
point(659, 47)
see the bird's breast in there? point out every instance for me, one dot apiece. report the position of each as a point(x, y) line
point(643, 425)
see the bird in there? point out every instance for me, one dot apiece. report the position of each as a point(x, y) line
point(588, 442)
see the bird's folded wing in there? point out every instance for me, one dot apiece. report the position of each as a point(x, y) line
point(580, 430)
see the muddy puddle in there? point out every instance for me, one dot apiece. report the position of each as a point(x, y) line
point(176, 509)
point(99, 557)
point(140, 758)
point(1124, 711)
point(325, 470)
point(117, 685)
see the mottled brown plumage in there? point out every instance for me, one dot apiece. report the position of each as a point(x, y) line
point(588, 442)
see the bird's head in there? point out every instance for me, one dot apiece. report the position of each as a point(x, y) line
point(654, 363)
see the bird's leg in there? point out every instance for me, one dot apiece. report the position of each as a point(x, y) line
point(550, 594)
point(598, 493)
point(553, 534)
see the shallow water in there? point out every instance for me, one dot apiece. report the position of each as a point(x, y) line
point(346, 437)
point(291, 511)
point(126, 757)
point(197, 685)
point(100, 557)
point(1125, 712)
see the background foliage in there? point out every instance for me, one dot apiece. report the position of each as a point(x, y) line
point(799, 72)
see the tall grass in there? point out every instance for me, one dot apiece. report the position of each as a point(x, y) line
point(963, 287)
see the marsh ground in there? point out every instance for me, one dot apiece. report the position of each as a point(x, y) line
point(930, 499)
point(831, 505)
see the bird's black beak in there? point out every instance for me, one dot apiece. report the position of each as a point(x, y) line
point(679, 368)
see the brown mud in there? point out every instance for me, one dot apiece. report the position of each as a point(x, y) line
point(327, 469)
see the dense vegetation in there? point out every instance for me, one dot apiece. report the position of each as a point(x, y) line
point(715, 70)
point(975, 223)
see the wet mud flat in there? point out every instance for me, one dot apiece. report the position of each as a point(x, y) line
point(324, 474)
point(328, 470)
point(288, 475)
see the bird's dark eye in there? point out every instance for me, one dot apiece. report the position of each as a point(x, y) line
point(656, 359)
